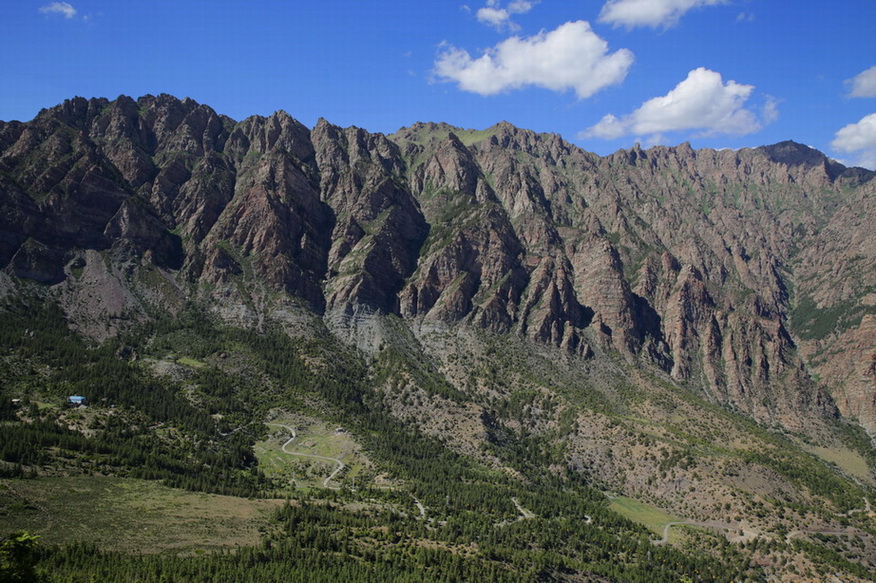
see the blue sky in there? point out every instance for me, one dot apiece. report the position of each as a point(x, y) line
point(604, 74)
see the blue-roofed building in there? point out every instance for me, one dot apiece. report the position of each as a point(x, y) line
point(76, 401)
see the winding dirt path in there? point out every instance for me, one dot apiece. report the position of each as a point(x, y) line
point(293, 434)
point(419, 506)
point(867, 509)
point(524, 513)
point(666, 528)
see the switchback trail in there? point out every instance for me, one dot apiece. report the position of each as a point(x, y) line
point(293, 434)
point(867, 509)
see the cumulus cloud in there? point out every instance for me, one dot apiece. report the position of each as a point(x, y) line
point(62, 8)
point(570, 57)
point(654, 13)
point(500, 18)
point(859, 137)
point(701, 102)
point(864, 84)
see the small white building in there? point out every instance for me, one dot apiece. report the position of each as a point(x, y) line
point(76, 401)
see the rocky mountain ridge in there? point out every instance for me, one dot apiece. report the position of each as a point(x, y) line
point(746, 275)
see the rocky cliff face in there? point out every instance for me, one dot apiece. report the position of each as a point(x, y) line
point(747, 274)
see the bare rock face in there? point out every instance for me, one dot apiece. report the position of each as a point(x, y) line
point(745, 273)
point(273, 227)
point(469, 266)
point(378, 231)
point(685, 258)
point(550, 310)
point(19, 216)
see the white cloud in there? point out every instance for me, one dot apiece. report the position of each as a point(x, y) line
point(521, 6)
point(62, 8)
point(867, 159)
point(608, 128)
point(654, 13)
point(859, 137)
point(701, 102)
point(570, 57)
point(500, 18)
point(864, 84)
point(770, 112)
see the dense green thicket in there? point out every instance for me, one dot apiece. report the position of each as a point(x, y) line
point(192, 452)
point(18, 558)
point(325, 542)
point(813, 323)
point(811, 473)
point(830, 561)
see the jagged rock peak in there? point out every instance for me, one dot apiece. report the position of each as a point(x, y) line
point(636, 154)
point(77, 109)
point(426, 133)
point(792, 154)
point(277, 131)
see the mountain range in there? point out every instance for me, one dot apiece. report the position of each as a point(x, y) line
point(662, 298)
point(746, 272)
